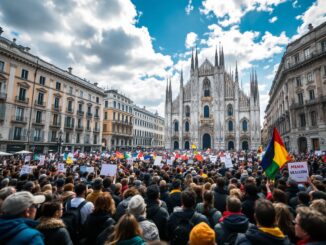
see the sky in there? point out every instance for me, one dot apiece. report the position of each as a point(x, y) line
point(135, 45)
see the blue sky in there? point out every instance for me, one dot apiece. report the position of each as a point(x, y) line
point(134, 45)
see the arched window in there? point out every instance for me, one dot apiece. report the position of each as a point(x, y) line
point(187, 126)
point(206, 111)
point(245, 145)
point(230, 110)
point(230, 125)
point(176, 126)
point(244, 125)
point(187, 111)
point(206, 87)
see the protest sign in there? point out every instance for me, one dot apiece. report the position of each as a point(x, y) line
point(130, 161)
point(83, 169)
point(222, 159)
point(298, 171)
point(61, 168)
point(158, 160)
point(108, 170)
point(27, 158)
point(228, 162)
point(42, 160)
point(213, 158)
point(190, 161)
point(169, 161)
point(26, 169)
point(90, 169)
point(241, 158)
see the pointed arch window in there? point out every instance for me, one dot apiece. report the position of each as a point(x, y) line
point(244, 126)
point(230, 126)
point(206, 111)
point(187, 126)
point(206, 87)
point(230, 110)
point(176, 126)
point(187, 111)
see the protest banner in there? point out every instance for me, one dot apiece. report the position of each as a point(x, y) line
point(90, 169)
point(228, 163)
point(169, 161)
point(26, 169)
point(130, 161)
point(213, 158)
point(158, 160)
point(27, 158)
point(298, 171)
point(61, 168)
point(42, 160)
point(108, 170)
point(190, 161)
point(222, 159)
point(241, 158)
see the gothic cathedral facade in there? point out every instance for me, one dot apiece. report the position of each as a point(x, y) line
point(211, 111)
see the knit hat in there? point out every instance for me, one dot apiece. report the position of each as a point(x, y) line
point(136, 205)
point(202, 234)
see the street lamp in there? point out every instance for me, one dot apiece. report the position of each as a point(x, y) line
point(60, 142)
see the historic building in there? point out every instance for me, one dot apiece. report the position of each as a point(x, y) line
point(211, 111)
point(43, 107)
point(118, 121)
point(297, 104)
point(148, 129)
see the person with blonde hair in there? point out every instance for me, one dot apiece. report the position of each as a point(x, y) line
point(236, 192)
point(127, 231)
point(319, 205)
point(284, 220)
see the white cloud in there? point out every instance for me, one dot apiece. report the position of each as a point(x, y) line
point(230, 12)
point(295, 4)
point(191, 40)
point(272, 20)
point(266, 67)
point(189, 8)
point(315, 15)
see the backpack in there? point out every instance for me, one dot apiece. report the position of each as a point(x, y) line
point(182, 231)
point(228, 238)
point(72, 220)
point(210, 217)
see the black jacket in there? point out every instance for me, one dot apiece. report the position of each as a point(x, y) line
point(220, 196)
point(95, 224)
point(254, 236)
point(248, 208)
point(54, 232)
point(121, 208)
point(174, 200)
point(159, 216)
point(180, 214)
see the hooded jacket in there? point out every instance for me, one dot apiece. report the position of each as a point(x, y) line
point(220, 196)
point(255, 236)
point(54, 231)
point(159, 216)
point(19, 231)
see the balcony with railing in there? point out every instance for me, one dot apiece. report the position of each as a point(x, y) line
point(3, 95)
point(89, 114)
point(79, 128)
point(56, 108)
point(39, 138)
point(69, 125)
point(70, 110)
point(206, 120)
point(22, 136)
point(39, 122)
point(39, 103)
point(316, 54)
point(56, 124)
point(22, 99)
point(296, 105)
point(97, 116)
point(97, 130)
point(19, 119)
point(80, 113)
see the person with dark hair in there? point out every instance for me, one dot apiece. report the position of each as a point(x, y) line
point(207, 208)
point(97, 190)
point(164, 193)
point(123, 205)
point(155, 210)
point(51, 225)
point(265, 232)
point(232, 222)
point(174, 199)
point(310, 226)
point(220, 195)
point(250, 197)
point(183, 219)
point(101, 218)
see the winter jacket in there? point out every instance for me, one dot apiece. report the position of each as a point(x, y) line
point(220, 196)
point(15, 231)
point(159, 216)
point(150, 231)
point(121, 208)
point(248, 208)
point(95, 224)
point(54, 231)
point(174, 200)
point(136, 240)
point(255, 236)
point(213, 215)
point(231, 224)
point(180, 214)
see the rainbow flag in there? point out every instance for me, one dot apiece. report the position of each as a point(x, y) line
point(119, 155)
point(275, 157)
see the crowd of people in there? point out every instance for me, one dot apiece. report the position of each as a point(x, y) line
point(183, 202)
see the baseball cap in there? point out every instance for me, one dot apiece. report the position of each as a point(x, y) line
point(16, 203)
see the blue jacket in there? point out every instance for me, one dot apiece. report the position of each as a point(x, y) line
point(19, 231)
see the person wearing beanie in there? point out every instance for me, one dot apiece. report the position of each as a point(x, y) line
point(202, 234)
point(137, 207)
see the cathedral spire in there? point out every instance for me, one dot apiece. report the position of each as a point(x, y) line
point(170, 91)
point(196, 59)
point(192, 59)
point(167, 91)
point(216, 57)
point(221, 57)
point(236, 72)
point(181, 79)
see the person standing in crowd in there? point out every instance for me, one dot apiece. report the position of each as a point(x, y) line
point(123, 205)
point(265, 232)
point(174, 199)
point(284, 219)
point(97, 190)
point(126, 232)
point(137, 207)
point(249, 200)
point(17, 225)
point(220, 195)
point(51, 225)
point(202, 234)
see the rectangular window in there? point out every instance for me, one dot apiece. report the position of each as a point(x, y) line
point(104, 127)
point(57, 85)
point(106, 104)
point(105, 115)
point(2, 65)
point(71, 90)
point(70, 105)
point(56, 102)
point(38, 118)
point(300, 98)
point(24, 74)
point(307, 53)
point(17, 133)
point(53, 136)
point(296, 58)
point(302, 120)
point(114, 104)
point(312, 94)
point(37, 134)
point(80, 107)
point(309, 76)
point(88, 124)
point(89, 96)
point(79, 122)
point(78, 138)
point(40, 98)
point(67, 137)
point(96, 112)
point(95, 139)
point(97, 100)
point(81, 94)
point(19, 113)
point(123, 107)
point(323, 45)
point(55, 119)
point(313, 116)
point(298, 80)
point(113, 115)
point(22, 94)
point(42, 80)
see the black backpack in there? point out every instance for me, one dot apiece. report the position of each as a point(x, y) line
point(210, 217)
point(182, 231)
point(72, 220)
